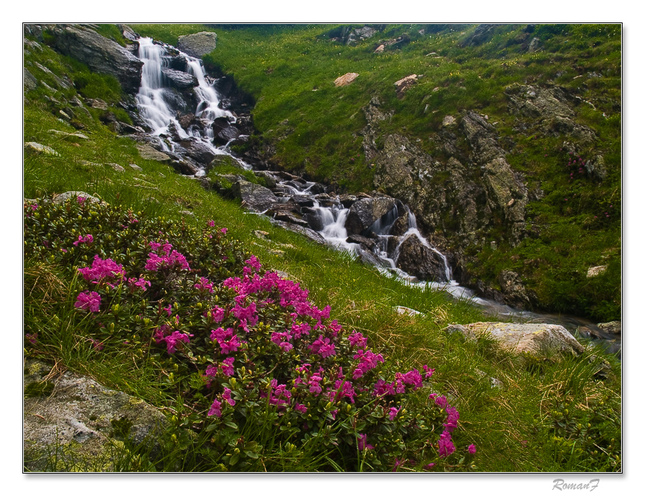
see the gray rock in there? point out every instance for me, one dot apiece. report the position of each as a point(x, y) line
point(28, 80)
point(37, 148)
point(364, 213)
point(198, 44)
point(537, 340)
point(254, 196)
point(99, 53)
point(614, 327)
point(420, 261)
point(179, 79)
point(63, 197)
point(149, 153)
point(80, 421)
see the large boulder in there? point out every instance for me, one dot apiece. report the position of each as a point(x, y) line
point(537, 340)
point(198, 44)
point(99, 53)
point(418, 260)
point(254, 196)
point(180, 79)
point(79, 420)
point(364, 213)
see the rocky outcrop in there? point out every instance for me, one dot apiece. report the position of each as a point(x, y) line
point(198, 44)
point(79, 420)
point(402, 85)
point(420, 261)
point(345, 79)
point(254, 196)
point(536, 340)
point(99, 53)
point(365, 213)
point(549, 109)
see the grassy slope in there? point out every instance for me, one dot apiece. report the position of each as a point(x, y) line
point(315, 127)
point(545, 418)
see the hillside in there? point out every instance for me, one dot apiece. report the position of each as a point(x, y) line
point(505, 140)
point(262, 350)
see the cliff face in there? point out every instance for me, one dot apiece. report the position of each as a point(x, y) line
point(468, 197)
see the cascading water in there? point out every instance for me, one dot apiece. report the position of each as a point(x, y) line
point(153, 102)
point(155, 96)
point(150, 99)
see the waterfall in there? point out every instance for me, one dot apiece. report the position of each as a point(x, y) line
point(150, 99)
point(155, 95)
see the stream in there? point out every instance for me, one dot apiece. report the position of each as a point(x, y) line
point(327, 213)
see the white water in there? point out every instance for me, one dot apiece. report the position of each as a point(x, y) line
point(153, 96)
point(159, 117)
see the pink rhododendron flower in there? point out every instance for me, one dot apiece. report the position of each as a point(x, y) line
point(84, 239)
point(102, 269)
point(446, 447)
point(472, 449)
point(226, 395)
point(441, 401)
point(227, 366)
point(88, 301)
point(362, 442)
point(215, 409)
point(229, 346)
point(393, 412)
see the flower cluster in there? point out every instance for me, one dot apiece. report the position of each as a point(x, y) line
point(250, 351)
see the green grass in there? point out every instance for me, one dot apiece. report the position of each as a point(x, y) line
point(546, 416)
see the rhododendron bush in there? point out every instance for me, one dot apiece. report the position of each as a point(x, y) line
point(260, 368)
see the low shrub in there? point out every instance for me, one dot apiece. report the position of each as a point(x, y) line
point(268, 378)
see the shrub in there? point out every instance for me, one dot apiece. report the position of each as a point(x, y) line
point(270, 379)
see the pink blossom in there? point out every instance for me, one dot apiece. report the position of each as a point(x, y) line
point(32, 338)
point(102, 269)
point(227, 366)
point(229, 346)
point(88, 301)
point(362, 443)
point(393, 412)
point(472, 449)
point(211, 223)
point(300, 408)
point(446, 447)
point(217, 314)
point(84, 239)
point(204, 285)
point(441, 401)
point(226, 395)
point(216, 409)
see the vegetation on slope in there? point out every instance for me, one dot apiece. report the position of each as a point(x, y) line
point(310, 126)
point(535, 416)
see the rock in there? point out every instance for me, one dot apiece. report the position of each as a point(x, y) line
point(198, 44)
point(79, 420)
point(227, 134)
point(97, 103)
point(63, 197)
point(407, 311)
point(135, 167)
point(364, 213)
point(614, 327)
point(198, 150)
point(420, 261)
point(99, 53)
point(28, 80)
point(37, 148)
point(70, 136)
point(360, 34)
point(537, 340)
point(448, 121)
point(402, 85)
point(149, 153)
point(254, 196)
point(513, 289)
point(179, 79)
point(596, 271)
point(345, 79)
point(368, 243)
